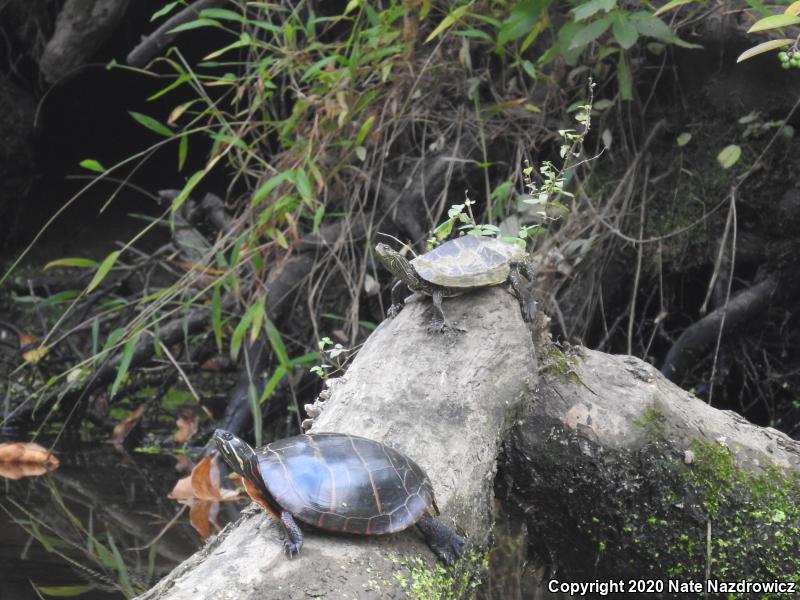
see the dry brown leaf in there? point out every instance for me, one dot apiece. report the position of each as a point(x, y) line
point(25, 340)
point(183, 492)
point(203, 515)
point(121, 430)
point(187, 423)
point(25, 459)
point(205, 479)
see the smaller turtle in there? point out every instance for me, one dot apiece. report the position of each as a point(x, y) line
point(458, 266)
point(341, 483)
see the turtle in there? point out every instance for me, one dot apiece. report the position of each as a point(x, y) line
point(341, 483)
point(455, 267)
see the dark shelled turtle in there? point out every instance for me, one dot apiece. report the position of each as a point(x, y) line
point(342, 483)
point(458, 266)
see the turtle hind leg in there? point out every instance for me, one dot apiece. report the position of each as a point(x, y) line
point(439, 323)
point(445, 542)
point(293, 541)
point(524, 293)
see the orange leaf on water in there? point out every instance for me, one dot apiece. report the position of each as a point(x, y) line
point(25, 459)
point(121, 430)
point(202, 492)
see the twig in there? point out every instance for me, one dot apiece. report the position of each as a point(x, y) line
point(154, 43)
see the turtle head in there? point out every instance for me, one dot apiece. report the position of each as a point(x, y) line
point(399, 265)
point(238, 454)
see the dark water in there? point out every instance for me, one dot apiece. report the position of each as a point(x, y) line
point(98, 510)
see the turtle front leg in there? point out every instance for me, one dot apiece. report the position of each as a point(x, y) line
point(293, 541)
point(439, 323)
point(398, 299)
point(445, 542)
point(524, 293)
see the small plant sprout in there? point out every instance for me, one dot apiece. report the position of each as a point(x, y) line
point(335, 353)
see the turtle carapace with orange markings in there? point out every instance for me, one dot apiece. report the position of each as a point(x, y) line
point(341, 483)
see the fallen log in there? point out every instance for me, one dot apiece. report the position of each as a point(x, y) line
point(615, 472)
point(446, 401)
point(618, 474)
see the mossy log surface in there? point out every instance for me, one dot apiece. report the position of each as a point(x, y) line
point(447, 401)
point(621, 474)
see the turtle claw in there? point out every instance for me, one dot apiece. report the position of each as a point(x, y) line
point(393, 311)
point(452, 550)
point(291, 547)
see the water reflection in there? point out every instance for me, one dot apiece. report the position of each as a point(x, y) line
point(101, 520)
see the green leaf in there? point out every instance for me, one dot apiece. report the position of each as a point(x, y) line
point(364, 130)
point(587, 9)
point(521, 20)
point(245, 41)
point(352, 5)
point(361, 153)
point(83, 263)
point(183, 151)
point(271, 184)
point(92, 165)
point(102, 270)
point(729, 156)
point(239, 333)
point(591, 32)
point(196, 24)
point(774, 22)
point(125, 362)
point(651, 26)
point(318, 216)
point(272, 383)
point(683, 138)
point(163, 10)
point(624, 31)
point(258, 318)
point(624, 78)
point(221, 13)
point(278, 347)
point(672, 4)
point(65, 591)
point(764, 47)
point(304, 188)
point(152, 124)
point(792, 9)
point(187, 189)
point(447, 22)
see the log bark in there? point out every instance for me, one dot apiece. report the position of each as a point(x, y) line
point(446, 401)
point(619, 473)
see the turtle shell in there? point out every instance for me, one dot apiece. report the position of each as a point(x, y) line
point(345, 483)
point(468, 261)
